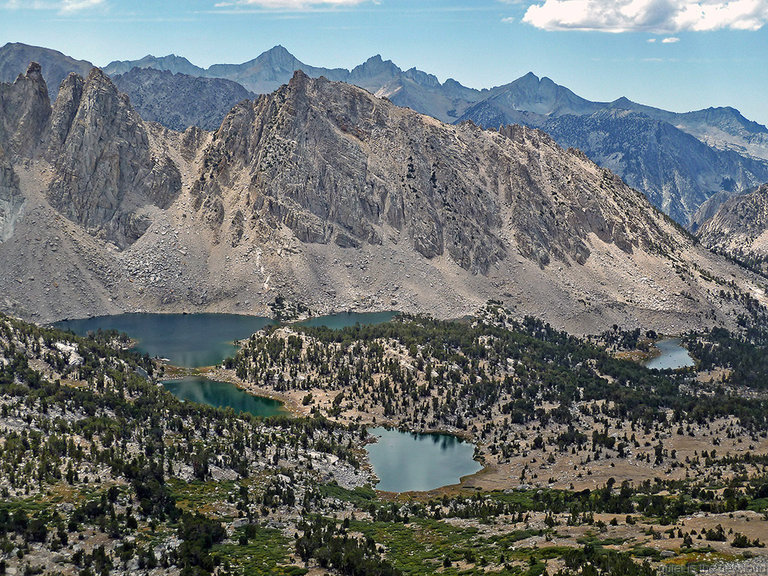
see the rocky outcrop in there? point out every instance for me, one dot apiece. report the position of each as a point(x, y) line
point(105, 174)
point(333, 163)
point(740, 228)
point(24, 112)
point(11, 200)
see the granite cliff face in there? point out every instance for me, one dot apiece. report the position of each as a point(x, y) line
point(24, 112)
point(11, 200)
point(740, 228)
point(325, 194)
point(105, 175)
point(336, 165)
point(102, 174)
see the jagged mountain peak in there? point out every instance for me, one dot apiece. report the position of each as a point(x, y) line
point(337, 204)
point(277, 51)
point(24, 111)
point(34, 71)
point(104, 169)
point(16, 56)
point(623, 102)
point(375, 66)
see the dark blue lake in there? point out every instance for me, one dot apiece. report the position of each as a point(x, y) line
point(195, 340)
point(187, 340)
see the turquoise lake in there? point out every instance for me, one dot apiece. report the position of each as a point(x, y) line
point(196, 340)
point(402, 461)
point(223, 395)
point(673, 356)
point(406, 462)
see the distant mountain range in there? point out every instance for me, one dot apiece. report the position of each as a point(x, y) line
point(677, 160)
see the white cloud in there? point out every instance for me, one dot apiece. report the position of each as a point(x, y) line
point(671, 40)
point(64, 6)
point(75, 5)
point(659, 16)
point(291, 4)
point(651, 40)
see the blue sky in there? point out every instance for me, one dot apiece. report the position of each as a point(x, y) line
point(675, 54)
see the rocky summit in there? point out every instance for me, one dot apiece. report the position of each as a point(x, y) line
point(323, 194)
point(678, 160)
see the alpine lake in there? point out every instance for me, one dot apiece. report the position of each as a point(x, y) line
point(402, 461)
point(673, 356)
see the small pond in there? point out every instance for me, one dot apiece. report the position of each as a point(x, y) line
point(405, 462)
point(672, 357)
point(222, 395)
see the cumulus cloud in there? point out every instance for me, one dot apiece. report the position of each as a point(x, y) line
point(670, 40)
point(659, 16)
point(292, 4)
point(75, 5)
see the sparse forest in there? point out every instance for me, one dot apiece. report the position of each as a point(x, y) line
point(107, 472)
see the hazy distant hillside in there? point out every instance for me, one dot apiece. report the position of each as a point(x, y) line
point(675, 170)
point(267, 72)
point(178, 101)
point(670, 157)
point(739, 228)
point(171, 63)
point(15, 58)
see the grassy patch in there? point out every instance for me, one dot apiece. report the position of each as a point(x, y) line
point(267, 552)
point(758, 505)
point(204, 497)
point(703, 556)
point(360, 497)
